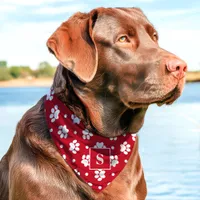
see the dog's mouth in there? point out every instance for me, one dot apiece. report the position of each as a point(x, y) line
point(168, 99)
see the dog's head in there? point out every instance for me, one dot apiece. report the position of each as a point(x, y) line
point(118, 65)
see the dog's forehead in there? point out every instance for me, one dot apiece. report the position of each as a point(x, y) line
point(113, 19)
point(131, 15)
point(135, 14)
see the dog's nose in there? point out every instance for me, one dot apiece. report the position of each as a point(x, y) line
point(177, 67)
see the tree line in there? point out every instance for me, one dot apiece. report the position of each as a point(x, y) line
point(44, 69)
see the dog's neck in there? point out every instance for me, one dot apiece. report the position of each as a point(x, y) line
point(104, 112)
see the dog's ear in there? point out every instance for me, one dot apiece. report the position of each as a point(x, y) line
point(73, 45)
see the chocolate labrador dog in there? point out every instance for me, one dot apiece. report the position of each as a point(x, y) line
point(111, 69)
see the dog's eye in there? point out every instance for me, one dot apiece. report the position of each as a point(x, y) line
point(123, 39)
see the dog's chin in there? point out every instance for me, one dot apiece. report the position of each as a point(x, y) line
point(170, 99)
point(173, 95)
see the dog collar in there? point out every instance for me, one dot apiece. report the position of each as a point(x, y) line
point(95, 159)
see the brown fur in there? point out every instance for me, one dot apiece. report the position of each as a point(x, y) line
point(109, 85)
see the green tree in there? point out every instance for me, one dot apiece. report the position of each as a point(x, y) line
point(25, 71)
point(20, 71)
point(15, 71)
point(45, 70)
point(3, 63)
point(4, 74)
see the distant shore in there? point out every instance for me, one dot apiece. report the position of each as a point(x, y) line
point(193, 76)
point(47, 82)
point(34, 82)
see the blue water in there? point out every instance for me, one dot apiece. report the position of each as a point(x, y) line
point(169, 140)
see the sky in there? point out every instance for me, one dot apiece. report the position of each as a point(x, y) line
point(25, 26)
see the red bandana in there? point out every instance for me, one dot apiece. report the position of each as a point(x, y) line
point(95, 159)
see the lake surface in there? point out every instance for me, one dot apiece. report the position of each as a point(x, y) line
point(169, 140)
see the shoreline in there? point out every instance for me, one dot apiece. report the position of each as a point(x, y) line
point(193, 76)
point(35, 82)
point(47, 82)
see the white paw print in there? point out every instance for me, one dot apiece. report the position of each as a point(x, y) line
point(74, 146)
point(134, 136)
point(113, 138)
point(63, 131)
point(85, 160)
point(114, 160)
point(75, 119)
point(125, 148)
point(100, 145)
point(50, 96)
point(54, 113)
point(99, 174)
point(86, 134)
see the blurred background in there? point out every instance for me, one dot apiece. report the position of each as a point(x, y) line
point(170, 138)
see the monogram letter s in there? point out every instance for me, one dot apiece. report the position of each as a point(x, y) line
point(100, 159)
